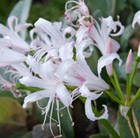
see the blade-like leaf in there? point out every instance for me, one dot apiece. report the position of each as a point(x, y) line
point(21, 10)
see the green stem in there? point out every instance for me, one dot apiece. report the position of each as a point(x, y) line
point(111, 95)
point(115, 82)
point(135, 98)
point(109, 127)
point(129, 87)
point(132, 124)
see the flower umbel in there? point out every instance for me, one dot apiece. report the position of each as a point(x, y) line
point(55, 62)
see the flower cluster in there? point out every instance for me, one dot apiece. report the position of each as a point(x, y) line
point(55, 58)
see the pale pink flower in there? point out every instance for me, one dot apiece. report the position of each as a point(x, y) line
point(51, 87)
point(53, 41)
point(77, 73)
point(11, 36)
point(136, 19)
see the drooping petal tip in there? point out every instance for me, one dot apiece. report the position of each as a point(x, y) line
point(136, 19)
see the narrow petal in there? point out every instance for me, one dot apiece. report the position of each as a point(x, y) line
point(12, 22)
point(49, 29)
point(63, 95)
point(36, 82)
point(9, 56)
point(21, 27)
point(107, 60)
point(36, 96)
point(89, 113)
point(90, 95)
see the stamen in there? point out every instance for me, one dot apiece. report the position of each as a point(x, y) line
point(70, 116)
point(42, 108)
point(58, 115)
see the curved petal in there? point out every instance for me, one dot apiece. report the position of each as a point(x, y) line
point(22, 26)
point(107, 60)
point(89, 113)
point(12, 22)
point(82, 62)
point(112, 26)
point(90, 95)
point(136, 19)
point(36, 96)
point(48, 27)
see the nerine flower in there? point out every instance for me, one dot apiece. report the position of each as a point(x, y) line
point(58, 59)
point(12, 46)
point(51, 87)
point(78, 14)
point(11, 36)
point(77, 73)
point(53, 40)
point(101, 36)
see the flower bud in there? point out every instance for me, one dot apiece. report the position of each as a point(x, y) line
point(129, 62)
point(138, 54)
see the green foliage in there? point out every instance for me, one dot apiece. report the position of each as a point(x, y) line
point(52, 11)
point(123, 127)
point(99, 136)
point(5, 7)
point(21, 10)
point(125, 37)
point(101, 7)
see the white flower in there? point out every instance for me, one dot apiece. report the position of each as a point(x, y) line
point(136, 19)
point(77, 73)
point(77, 13)
point(101, 34)
point(11, 36)
point(52, 87)
point(52, 41)
point(102, 40)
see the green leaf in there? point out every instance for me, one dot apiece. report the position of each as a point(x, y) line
point(137, 111)
point(101, 7)
point(99, 136)
point(20, 134)
point(136, 80)
point(21, 10)
point(136, 3)
point(123, 127)
point(120, 5)
point(125, 37)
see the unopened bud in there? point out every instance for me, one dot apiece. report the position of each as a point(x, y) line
point(129, 62)
point(138, 54)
